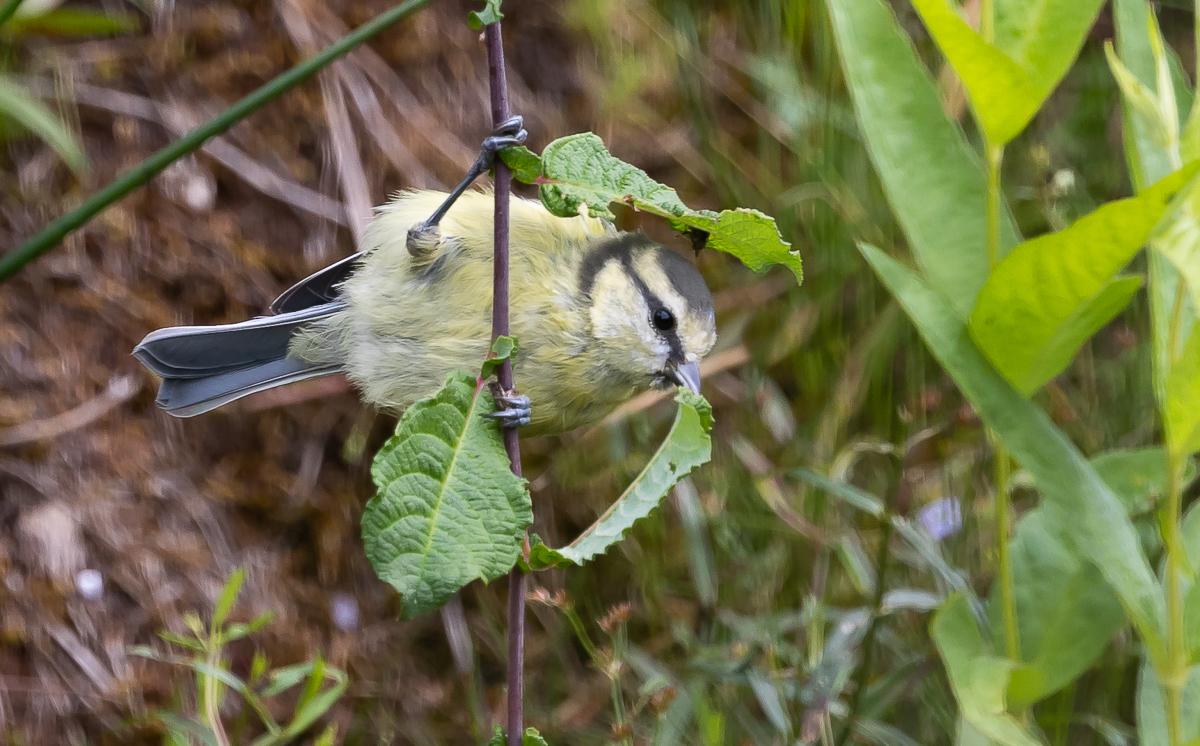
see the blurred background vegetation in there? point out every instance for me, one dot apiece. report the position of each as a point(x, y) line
point(734, 615)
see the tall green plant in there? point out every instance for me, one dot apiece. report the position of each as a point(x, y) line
point(1031, 310)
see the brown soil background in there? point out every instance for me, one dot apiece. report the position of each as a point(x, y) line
point(165, 509)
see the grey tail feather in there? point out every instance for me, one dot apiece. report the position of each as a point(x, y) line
point(205, 367)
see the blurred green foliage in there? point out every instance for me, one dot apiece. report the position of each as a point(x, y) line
point(754, 597)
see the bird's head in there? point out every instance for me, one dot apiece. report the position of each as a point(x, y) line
point(651, 313)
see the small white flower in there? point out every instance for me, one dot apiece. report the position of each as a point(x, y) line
point(1063, 182)
point(90, 584)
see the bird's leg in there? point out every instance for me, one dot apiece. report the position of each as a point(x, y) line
point(516, 411)
point(511, 132)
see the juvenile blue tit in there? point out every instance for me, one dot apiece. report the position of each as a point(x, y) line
point(601, 316)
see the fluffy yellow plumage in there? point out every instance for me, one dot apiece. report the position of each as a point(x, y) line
point(600, 315)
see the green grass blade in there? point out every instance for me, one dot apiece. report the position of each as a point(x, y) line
point(77, 22)
point(49, 236)
point(18, 105)
point(9, 10)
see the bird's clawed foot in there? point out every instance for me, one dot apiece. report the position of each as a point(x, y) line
point(516, 411)
point(423, 237)
point(510, 132)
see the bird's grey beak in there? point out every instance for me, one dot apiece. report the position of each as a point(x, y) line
point(684, 374)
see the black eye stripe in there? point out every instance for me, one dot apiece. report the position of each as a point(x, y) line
point(655, 303)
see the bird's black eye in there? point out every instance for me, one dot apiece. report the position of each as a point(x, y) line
point(663, 320)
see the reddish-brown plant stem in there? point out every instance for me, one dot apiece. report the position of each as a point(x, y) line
point(503, 182)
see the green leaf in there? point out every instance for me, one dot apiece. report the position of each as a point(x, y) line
point(1189, 587)
point(687, 446)
point(18, 105)
point(227, 598)
point(490, 14)
point(1029, 368)
point(448, 508)
point(1043, 37)
point(1182, 410)
point(1066, 612)
point(579, 176)
point(76, 22)
point(1052, 293)
point(747, 234)
point(1140, 98)
point(503, 348)
point(858, 568)
point(1002, 94)
point(1151, 708)
point(979, 679)
point(1179, 243)
point(184, 642)
point(1148, 160)
point(1137, 476)
point(1139, 43)
point(525, 164)
point(931, 175)
point(1074, 495)
point(287, 677)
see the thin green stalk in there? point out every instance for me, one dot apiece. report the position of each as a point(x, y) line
point(53, 233)
point(1175, 677)
point(619, 642)
point(987, 21)
point(1008, 601)
point(1008, 595)
point(1174, 680)
point(212, 692)
point(9, 10)
point(995, 155)
point(580, 633)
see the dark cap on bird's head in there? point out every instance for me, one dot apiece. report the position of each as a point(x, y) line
point(650, 307)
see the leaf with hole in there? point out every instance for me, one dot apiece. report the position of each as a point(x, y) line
point(577, 175)
point(448, 508)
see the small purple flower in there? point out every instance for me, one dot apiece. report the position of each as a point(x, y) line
point(343, 611)
point(941, 518)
